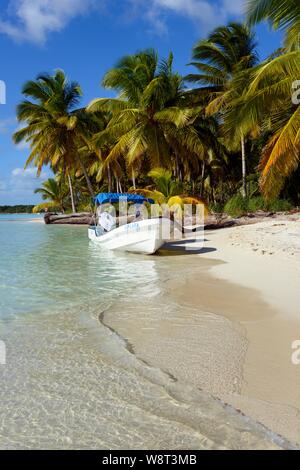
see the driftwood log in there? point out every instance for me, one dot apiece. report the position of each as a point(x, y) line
point(80, 218)
point(212, 221)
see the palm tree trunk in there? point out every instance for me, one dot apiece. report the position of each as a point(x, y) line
point(71, 194)
point(178, 171)
point(109, 178)
point(133, 179)
point(88, 181)
point(244, 189)
point(213, 195)
point(202, 178)
point(119, 187)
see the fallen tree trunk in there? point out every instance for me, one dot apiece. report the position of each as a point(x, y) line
point(80, 218)
point(211, 222)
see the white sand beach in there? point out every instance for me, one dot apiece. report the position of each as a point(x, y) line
point(266, 258)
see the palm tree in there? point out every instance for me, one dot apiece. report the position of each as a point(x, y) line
point(54, 191)
point(97, 155)
point(208, 129)
point(164, 182)
point(282, 14)
point(267, 104)
point(227, 52)
point(168, 192)
point(149, 118)
point(53, 127)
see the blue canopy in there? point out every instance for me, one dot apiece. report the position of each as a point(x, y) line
point(102, 198)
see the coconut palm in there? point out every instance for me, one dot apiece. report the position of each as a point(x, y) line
point(149, 114)
point(55, 192)
point(209, 130)
point(96, 164)
point(267, 104)
point(226, 52)
point(167, 192)
point(53, 126)
point(165, 183)
point(282, 14)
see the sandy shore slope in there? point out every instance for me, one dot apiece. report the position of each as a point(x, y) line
point(239, 315)
point(266, 258)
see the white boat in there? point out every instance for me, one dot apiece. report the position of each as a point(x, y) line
point(144, 236)
point(137, 236)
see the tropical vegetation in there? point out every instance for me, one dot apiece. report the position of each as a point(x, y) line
point(16, 209)
point(228, 133)
point(55, 192)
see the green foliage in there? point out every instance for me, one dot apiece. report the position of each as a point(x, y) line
point(56, 131)
point(54, 191)
point(238, 206)
point(279, 205)
point(18, 209)
point(275, 205)
point(85, 205)
point(283, 14)
point(149, 119)
point(165, 183)
point(216, 208)
point(256, 204)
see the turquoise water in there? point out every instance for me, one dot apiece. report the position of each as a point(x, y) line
point(18, 217)
point(70, 381)
point(55, 267)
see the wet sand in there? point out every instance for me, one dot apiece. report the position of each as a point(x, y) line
point(227, 326)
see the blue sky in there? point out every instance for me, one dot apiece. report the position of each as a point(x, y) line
point(85, 38)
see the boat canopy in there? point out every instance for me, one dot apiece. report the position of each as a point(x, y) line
point(103, 198)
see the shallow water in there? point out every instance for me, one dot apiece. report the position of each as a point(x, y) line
point(70, 381)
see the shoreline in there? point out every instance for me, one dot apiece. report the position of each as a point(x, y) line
point(158, 376)
point(266, 258)
point(245, 323)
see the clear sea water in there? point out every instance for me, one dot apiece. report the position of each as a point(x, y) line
point(70, 381)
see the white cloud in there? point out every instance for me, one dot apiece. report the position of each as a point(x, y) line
point(22, 181)
point(190, 8)
point(25, 180)
point(205, 14)
point(33, 20)
point(23, 145)
point(6, 124)
point(19, 186)
point(234, 7)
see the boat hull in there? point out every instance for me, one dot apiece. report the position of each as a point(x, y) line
point(145, 236)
